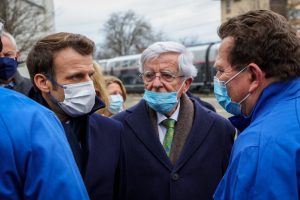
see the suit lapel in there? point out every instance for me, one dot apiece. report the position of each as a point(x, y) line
point(140, 122)
point(201, 126)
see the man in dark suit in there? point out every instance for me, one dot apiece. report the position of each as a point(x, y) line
point(61, 66)
point(182, 161)
point(9, 76)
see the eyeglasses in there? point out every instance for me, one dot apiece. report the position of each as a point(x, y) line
point(164, 76)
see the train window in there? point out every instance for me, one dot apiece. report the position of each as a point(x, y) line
point(133, 63)
point(204, 58)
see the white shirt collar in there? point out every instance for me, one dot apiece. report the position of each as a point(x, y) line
point(161, 117)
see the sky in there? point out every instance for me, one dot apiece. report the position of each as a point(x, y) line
point(177, 19)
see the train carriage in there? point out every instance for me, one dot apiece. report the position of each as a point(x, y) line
point(126, 68)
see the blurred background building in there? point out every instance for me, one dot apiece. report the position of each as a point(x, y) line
point(288, 8)
point(27, 21)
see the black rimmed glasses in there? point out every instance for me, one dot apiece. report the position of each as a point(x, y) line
point(164, 76)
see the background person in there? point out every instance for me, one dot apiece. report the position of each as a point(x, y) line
point(100, 88)
point(9, 75)
point(182, 160)
point(117, 95)
point(60, 66)
point(257, 80)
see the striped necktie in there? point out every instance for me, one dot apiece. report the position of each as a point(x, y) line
point(169, 124)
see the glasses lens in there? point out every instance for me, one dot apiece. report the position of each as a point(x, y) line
point(168, 77)
point(149, 76)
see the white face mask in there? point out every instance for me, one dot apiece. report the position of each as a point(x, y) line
point(79, 98)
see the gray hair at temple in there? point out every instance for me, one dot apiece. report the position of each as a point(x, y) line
point(185, 58)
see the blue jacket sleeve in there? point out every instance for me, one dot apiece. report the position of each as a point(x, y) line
point(37, 162)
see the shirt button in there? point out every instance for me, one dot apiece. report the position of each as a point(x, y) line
point(175, 177)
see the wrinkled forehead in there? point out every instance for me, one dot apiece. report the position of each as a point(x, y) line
point(169, 60)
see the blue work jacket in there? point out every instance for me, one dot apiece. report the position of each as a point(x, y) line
point(36, 160)
point(265, 160)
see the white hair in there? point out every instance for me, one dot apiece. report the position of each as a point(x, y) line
point(11, 38)
point(185, 58)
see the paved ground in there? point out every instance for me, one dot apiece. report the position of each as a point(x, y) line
point(132, 99)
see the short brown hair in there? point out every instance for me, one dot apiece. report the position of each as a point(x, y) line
point(41, 56)
point(265, 38)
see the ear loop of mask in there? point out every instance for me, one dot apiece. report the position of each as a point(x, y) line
point(241, 101)
point(53, 98)
point(236, 75)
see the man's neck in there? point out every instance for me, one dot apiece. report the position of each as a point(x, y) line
point(55, 108)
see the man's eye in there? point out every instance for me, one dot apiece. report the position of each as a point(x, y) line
point(149, 75)
point(167, 76)
point(76, 77)
point(219, 72)
point(8, 55)
point(91, 74)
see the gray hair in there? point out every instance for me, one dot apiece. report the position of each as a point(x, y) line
point(11, 38)
point(185, 58)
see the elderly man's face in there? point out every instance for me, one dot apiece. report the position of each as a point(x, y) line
point(9, 49)
point(162, 75)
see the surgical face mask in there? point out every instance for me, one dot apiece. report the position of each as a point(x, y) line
point(79, 98)
point(162, 102)
point(223, 98)
point(115, 103)
point(8, 68)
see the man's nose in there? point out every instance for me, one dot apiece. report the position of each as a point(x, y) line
point(157, 82)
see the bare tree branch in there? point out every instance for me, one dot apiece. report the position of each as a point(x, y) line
point(24, 21)
point(127, 33)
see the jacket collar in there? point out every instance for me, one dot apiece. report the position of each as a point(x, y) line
point(269, 97)
point(148, 136)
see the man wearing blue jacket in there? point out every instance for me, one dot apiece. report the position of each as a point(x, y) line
point(36, 160)
point(258, 81)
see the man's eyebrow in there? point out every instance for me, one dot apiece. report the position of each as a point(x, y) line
point(75, 74)
point(12, 51)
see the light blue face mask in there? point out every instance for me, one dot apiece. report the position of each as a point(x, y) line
point(115, 103)
point(223, 98)
point(162, 102)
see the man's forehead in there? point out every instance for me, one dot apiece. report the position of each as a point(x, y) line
point(167, 59)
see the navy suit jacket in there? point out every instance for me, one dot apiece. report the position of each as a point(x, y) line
point(104, 145)
point(150, 175)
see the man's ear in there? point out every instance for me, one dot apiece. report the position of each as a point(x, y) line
point(187, 83)
point(256, 76)
point(42, 82)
